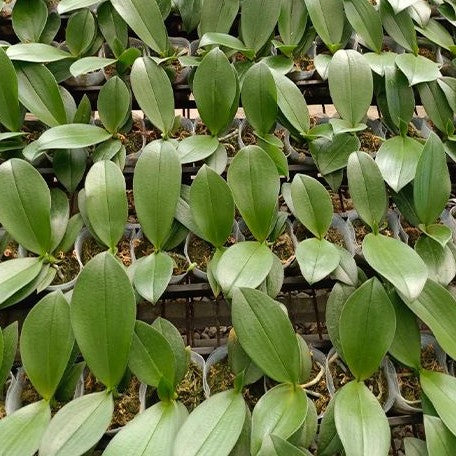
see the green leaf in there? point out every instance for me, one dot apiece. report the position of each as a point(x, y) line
point(29, 19)
point(256, 29)
point(196, 148)
point(152, 431)
point(317, 258)
point(292, 21)
point(21, 432)
point(10, 339)
point(78, 426)
point(397, 262)
point(145, 19)
point(440, 389)
point(212, 206)
point(69, 167)
point(106, 202)
point(312, 204)
point(397, 160)
point(218, 16)
point(151, 357)
point(36, 52)
point(436, 307)
point(366, 22)
point(213, 427)
point(51, 28)
point(46, 343)
point(432, 185)
point(350, 85)
point(361, 423)
point(328, 441)
point(439, 439)
point(328, 18)
point(157, 178)
point(113, 28)
point(254, 181)
point(290, 410)
point(415, 447)
point(152, 275)
point(65, 6)
point(259, 98)
point(89, 64)
point(448, 86)
point(71, 136)
point(225, 40)
point(103, 317)
point(154, 93)
point(215, 88)
point(276, 446)
point(60, 214)
point(437, 34)
point(245, 264)
point(266, 334)
point(367, 326)
point(25, 205)
point(439, 233)
point(10, 115)
point(367, 188)
point(80, 32)
point(190, 12)
point(113, 104)
point(379, 63)
point(417, 68)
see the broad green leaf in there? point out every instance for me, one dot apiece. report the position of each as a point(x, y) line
point(417, 68)
point(273, 146)
point(46, 343)
point(89, 64)
point(254, 181)
point(69, 167)
point(366, 22)
point(432, 185)
point(65, 6)
point(266, 334)
point(51, 28)
point(257, 28)
point(328, 18)
point(154, 93)
point(10, 339)
point(350, 85)
point(332, 154)
point(60, 214)
point(2, 352)
point(36, 52)
point(291, 103)
point(151, 432)
point(212, 206)
point(113, 104)
point(74, 227)
point(397, 262)
point(213, 427)
point(367, 326)
point(397, 160)
point(80, 32)
point(292, 21)
point(439, 439)
point(273, 283)
point(103, 317)
point(245, 264)
point(328, 440)
point(347, 271)
point(415, 447)
point(400, 5)
point(196, 148)
point(259, 98)
point(113, 27)
point(290, 410)
point(215, 88)
point(367, 188)
point(21, 432)
point(317, 258)
point(438, 34)
point(440, 389)
point(274, 445)
point(78, 426)
point(361, 422)
point(379, 63)
point(439, 233)
point(157, 178)
point(152, 275)
point(151, 357)
point(399, 26)
point(225, 40)
point(106, 202)
point(436, 307)
point(190, 12)
point(29, 19)
point(406, 345)
point(218, 16)
point(25, 205)
point(448, 86)
point(145, 19)
point(312, 204)
point(71, 136)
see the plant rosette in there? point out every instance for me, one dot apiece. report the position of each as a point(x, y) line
point(405, 382)
point(380, 384)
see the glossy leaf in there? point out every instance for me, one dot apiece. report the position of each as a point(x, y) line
point(397, 262)
point(292, 21)
point(113, 104)
point(25, 205)
point(66, 6)
point(157, 178)
point(266, 334)
point(10, 115)
point(28, 27)
point(218, 16)
point(415, 447)
point(69, 167)
point(254, 181)
point(36, 52)
point(212, 206)
point(103, 317)
point(80, 32)
point(417, 68)
point(227, 41)
point(113, 27)
point(89, 64)
point(106, 202)
point(439, 439)
point(8, 355)
point(196, 148)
